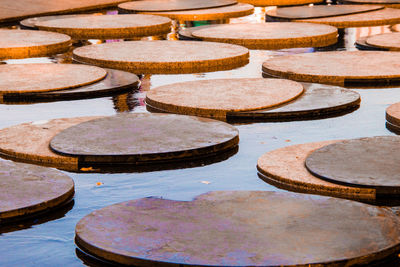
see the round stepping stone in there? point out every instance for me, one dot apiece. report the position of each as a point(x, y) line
point(108, 26)
point(176, 5)
point(263, 3)
point(393, 114)
point(393, 127)
point(27, 190)
point(15, 44)
point(366, 162)
point(319, 11)
point(164, 57)
point(115, 81)
point(23, 78)
point(389, 3)
point(271, 35)
point(214, 98)
point(125, 139)
point(317, 101)
point(240, 228)
point(186, 34)
point(273, 167)
point(337, 67)
point(30, 23)
point(218, 13)
point(361, 44)
point(388, 41)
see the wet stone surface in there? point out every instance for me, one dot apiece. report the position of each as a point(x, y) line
point(177, 5)
point(125, 138)
point(240, 228)
point(367, 162)
point(28, 189)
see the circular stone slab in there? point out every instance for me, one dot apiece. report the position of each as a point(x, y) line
point(214, 98)
point(317, 101)
point(361, 44)
point(263, 3)
point(376, 2)
point(240, 228)
point(108, 26)
point(386, 16)
point(28, 189)
point(115, 81)
point(29, 142)
point(274, 168)
point(218, 13)
point(164, 57)
point(366, 162)
point(337, 67)
point(319, 11)
point(16, 44)
point(186, 33)
point(125, 138)
point(21, 78)
point(176, 5)
point(30, 23)
point(393, 114)
point(271, 35)
point(389, 41)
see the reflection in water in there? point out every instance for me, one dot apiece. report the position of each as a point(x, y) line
point(125, 102)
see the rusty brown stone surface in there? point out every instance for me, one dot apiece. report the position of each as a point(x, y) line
point(391, 3)
point(175, 5)
point(218, 13)
point(393, 114)
point(108, 26)
point(125, 138)
point(316, 101)
point(361, 44)
point(115, 81)
point(17, 144)
point(337, 67)
point(371, 162)
point(12, 10)
point(15, 44)
point(319, 11)
point(22, 78)
point(164, 57)
point(216, 97)
point(386, 16)
point(240, 228)
point(28, 189)
point(263, 3)
point(270, 35)
point(30, 23)
point(286, 166)
point(389, 41)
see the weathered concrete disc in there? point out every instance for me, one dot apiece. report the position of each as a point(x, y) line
point(279, 2)
point(30, 23)
point(271, 35)
point(155, 57)
point(186, 34)
point(386, 16)
point(367, 162)
point(393, 114)
point(21, 78)
point(337, 67)
point(361, 44)
point(214, 98)
point(319, 11)
point(317, 101)
point(393, 127)
point(108, 26)
point(376, 2)
point(29, 142)
point(28, 189)
point(115, 81)
point(16, 44)
point(284, 167)
point(125, 138)
point(175, 5)
point(389, 41)
point(217, 13)
point(240, 228)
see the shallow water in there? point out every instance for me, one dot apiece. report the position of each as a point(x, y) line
point(51, 243)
